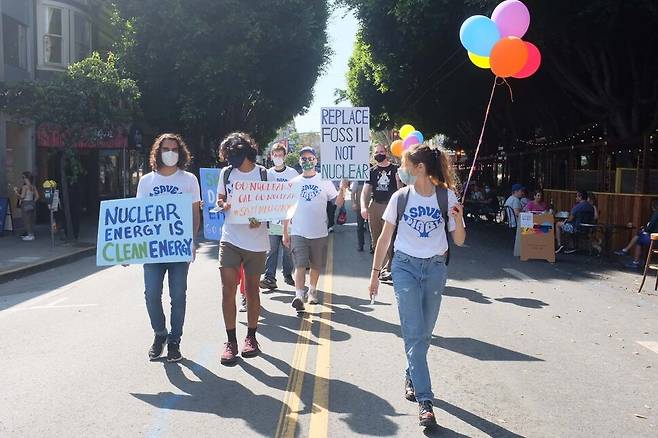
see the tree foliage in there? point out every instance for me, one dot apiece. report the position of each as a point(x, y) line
point(209, 67)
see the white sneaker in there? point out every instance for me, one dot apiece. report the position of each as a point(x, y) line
point(28, 238)
point(243, 304)
point(313, 297)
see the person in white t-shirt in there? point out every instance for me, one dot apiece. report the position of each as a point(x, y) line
point(279, 173)
point(306, 233)
point(243, 245)
point(419, 262)
point(169, 158)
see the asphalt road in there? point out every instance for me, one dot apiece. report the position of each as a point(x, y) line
point(521, 349)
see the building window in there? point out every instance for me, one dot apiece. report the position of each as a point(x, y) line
point(15, 42)
point(82, 39)
point(65, 35)
point(53, 38)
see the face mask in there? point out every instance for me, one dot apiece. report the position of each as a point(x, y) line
point(308, 165)
point(406, 177)
point(278, 161)
point(236, 160)
point(487, 190)
point(170, 158)
point(380, 157)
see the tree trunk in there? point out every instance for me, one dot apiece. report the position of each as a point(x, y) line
point(65, 196)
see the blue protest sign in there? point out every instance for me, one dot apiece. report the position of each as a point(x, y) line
point(156, 229)
point(212, 221)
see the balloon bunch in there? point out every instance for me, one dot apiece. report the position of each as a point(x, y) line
point(409, 137)
point(496, 42)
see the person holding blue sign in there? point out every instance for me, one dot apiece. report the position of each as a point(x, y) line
point(243, 245)
point(169, 158)
point(279, 173)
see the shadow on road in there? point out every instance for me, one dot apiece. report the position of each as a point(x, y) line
point(486, 426)
point(524, 302)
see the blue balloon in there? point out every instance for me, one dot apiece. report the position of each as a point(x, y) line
point(479, 34)
point(418, 135)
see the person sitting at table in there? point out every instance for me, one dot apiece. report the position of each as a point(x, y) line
point(514, 203)
point(642, 239)
point(537, 205)
point(581, 213)
point(476, 193)
point(490, 207)
point(524, 199)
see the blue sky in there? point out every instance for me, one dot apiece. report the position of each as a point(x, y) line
point(342, 32)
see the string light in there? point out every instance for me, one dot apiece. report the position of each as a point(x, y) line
point(564, 140)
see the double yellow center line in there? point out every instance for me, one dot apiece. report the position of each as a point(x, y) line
point(288, 419)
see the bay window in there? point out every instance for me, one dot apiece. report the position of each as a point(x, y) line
point(65, 35)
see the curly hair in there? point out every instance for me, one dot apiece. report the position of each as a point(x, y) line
point(436, 163)
point(184, 155)
point(236, 143)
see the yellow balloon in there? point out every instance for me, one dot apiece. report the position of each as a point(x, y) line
point(479, 61)
point(406, 130)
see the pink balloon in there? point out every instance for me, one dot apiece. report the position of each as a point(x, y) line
point(410, 141)
point(512, 18)
point(532, 64)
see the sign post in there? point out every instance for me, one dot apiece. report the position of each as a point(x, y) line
point(345, 143)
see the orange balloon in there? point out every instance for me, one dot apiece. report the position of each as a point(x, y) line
point(397, 147)
point(508, 57)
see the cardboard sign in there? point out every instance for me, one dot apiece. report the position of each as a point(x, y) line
point(263, 201)
point(213, 221)
point(157, 229)
point(345, 144)
point(538, 241)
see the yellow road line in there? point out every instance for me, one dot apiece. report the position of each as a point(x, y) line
point(319, 427)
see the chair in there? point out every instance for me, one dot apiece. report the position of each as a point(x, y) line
point(653, 249)
point(509, 217)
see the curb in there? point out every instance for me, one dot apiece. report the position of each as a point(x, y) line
point(44, 265)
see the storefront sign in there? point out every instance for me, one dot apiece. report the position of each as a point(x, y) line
point(345, 143)
point(51, 137)
point(212, 220)
point(145, 230)
point(263, 201)
point(538, 238)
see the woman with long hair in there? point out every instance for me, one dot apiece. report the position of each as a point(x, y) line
point(29, 195)
point(423, 213)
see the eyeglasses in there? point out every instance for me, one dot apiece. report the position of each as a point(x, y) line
point(306, 159)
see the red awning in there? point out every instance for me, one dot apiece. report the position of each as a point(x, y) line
point(49, 137)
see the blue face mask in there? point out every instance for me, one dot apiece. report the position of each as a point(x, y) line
point(406, 177)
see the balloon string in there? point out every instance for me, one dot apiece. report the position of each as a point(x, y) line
point(511, 94)
point(477, 150)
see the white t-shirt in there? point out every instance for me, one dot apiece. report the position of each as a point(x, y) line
point(421, 232)
point(310, 219)
point(276, 227)
point(240, 235)
point(514, 203)
point(178, 183)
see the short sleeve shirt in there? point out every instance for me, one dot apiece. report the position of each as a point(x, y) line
point(310, 218)
point(178, 183)
point(383, 181)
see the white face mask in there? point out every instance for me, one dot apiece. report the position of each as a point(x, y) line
point(170, 158)
point(278, 161)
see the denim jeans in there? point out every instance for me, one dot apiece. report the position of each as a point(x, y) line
point(418, 285)
point(276, 244)
point(153, 283)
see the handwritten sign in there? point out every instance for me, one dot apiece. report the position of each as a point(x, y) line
point(345, 143)
point(145, 230)
point(213, 221)
point(526, 220)
point(538, 240)
point(263, 201)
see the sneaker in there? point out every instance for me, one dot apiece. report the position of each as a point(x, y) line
point(298, 304)
point(426, 414)
point(28, 238)
point(230, 354)
point(158, 345)
point(289, 280)
point(268, 283)
point(331, 229)
point(385, 276)
point(243, 304)
point(559, 249)
point(173, 352)
point(621, 253)
point(313, 297)
point(570, 251)
point(633, 265)
point(409, 391)
point(250, 347)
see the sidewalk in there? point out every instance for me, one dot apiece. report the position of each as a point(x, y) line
point(19, 258)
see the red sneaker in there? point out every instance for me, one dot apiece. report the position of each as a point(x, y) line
point(230, 354)
point(251, 347)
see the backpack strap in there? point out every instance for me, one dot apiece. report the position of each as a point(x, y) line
point(442, 199)
point(227, 173)
point(403, 199)
point(263, 173)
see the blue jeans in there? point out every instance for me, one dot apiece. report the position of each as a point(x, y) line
point(276, 244)
point(153, 282)
point(418, 285)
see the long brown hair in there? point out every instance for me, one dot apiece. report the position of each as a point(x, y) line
point(436, 162)
point(184, 156)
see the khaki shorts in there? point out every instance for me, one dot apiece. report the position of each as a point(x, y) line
point(309, 253)
point(230, 256)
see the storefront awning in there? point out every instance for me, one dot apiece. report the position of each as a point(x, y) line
point(49, 137)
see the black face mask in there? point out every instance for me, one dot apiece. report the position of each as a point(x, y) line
point(380, 157)
point(236, 160)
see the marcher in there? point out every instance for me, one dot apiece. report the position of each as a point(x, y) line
point(423, 213)
point(306, 233)
point(581, 213)
point(376, 195)
point(642, 239)
point(169, 158)
point(243, 245)
point(280, 173)
point(356, 189)
point(28, 195)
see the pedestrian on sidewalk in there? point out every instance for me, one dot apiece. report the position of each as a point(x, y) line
point(169, 158)
point(423, 213)
point(375, 197)
point(28, 195)
point(243, 245)
point(306, 234)
point(356, 189)
point(280, 173)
